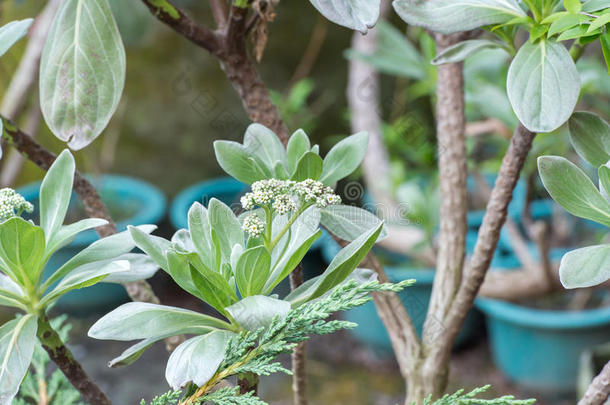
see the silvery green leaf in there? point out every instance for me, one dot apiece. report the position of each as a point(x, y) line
point(82, 71)
point(197, 359)
point(141, 267)
point(263, 143)
point(240, 163)
point(11, 294)
point(17, 342)
point(302, 293)
point(344, 158)
point(140, 320)
point(590, 137)
point(591, 6)
point(292, 247)
point(348, 222)
point(252, 270)
point(573, 190)
point(199, 227)
point(346, 261)
point(236, 253)
point(11, 33)
point(6, 284)
point(55, 193)
point(258, 311)
point(585, 267)
point(84, 276)
point(543, 85)
point(297, 146)
point(155, 247)
point(21, 250)
point(449, 16)
point(180, 270)
point(358, 15)
point(227, 227)
point(1, 135)
point(308, 167)
point(106, 248)
point(133, 353)
point(213, 286)
point(65, 234)
point(182, 242)
point(462, 50)
point(604, 180)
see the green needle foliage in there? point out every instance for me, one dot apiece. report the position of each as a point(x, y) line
point(459, 398)
point(256, 351)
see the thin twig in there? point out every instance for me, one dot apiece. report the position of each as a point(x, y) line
point(63, 358)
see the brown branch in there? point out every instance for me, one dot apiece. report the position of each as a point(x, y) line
point(63, 358)
point(451, 123)
point(175, 18)
point(220, 11)
point(485, 247)
point(229, 45)
point(599, 390)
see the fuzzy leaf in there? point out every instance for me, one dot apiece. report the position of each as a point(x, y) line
point(585, 267)
point(590, 137)
point(17, 342)
point(82, 71)
point(358, 15)
point(543, 85)
point(11, 33)
point(449, 16)
point(573, 190)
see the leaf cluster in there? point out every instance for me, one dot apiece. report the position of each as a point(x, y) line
point(572, 188)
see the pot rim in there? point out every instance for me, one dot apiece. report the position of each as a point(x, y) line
point(151, 210)
point(185, 199)
point(543, 319)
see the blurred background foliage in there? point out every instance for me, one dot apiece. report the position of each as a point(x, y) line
point(177, 100)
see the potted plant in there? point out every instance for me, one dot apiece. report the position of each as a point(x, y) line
point(131, 202)
point(573, 322)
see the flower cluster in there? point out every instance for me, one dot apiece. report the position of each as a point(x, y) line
point(312, 191)
point(281, 195)
point(253, 225)
point(12, 204)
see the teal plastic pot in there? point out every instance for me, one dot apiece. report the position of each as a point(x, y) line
point(515, 208)
point(137, 202)
point(225, 189)
point(229, 191)
point(371, 331)
point(540, 349)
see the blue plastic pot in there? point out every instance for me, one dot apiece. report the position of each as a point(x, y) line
point(225, 189)
point(540, 349)
point(146, 204)
point(371, 331)
point(515, 208)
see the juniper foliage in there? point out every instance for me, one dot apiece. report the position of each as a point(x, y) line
point(470, 398)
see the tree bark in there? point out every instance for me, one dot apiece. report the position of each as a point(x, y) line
point(599, 390)
point(63, 358)
point(439, 349)
point(453, 171)
point(241, 71)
